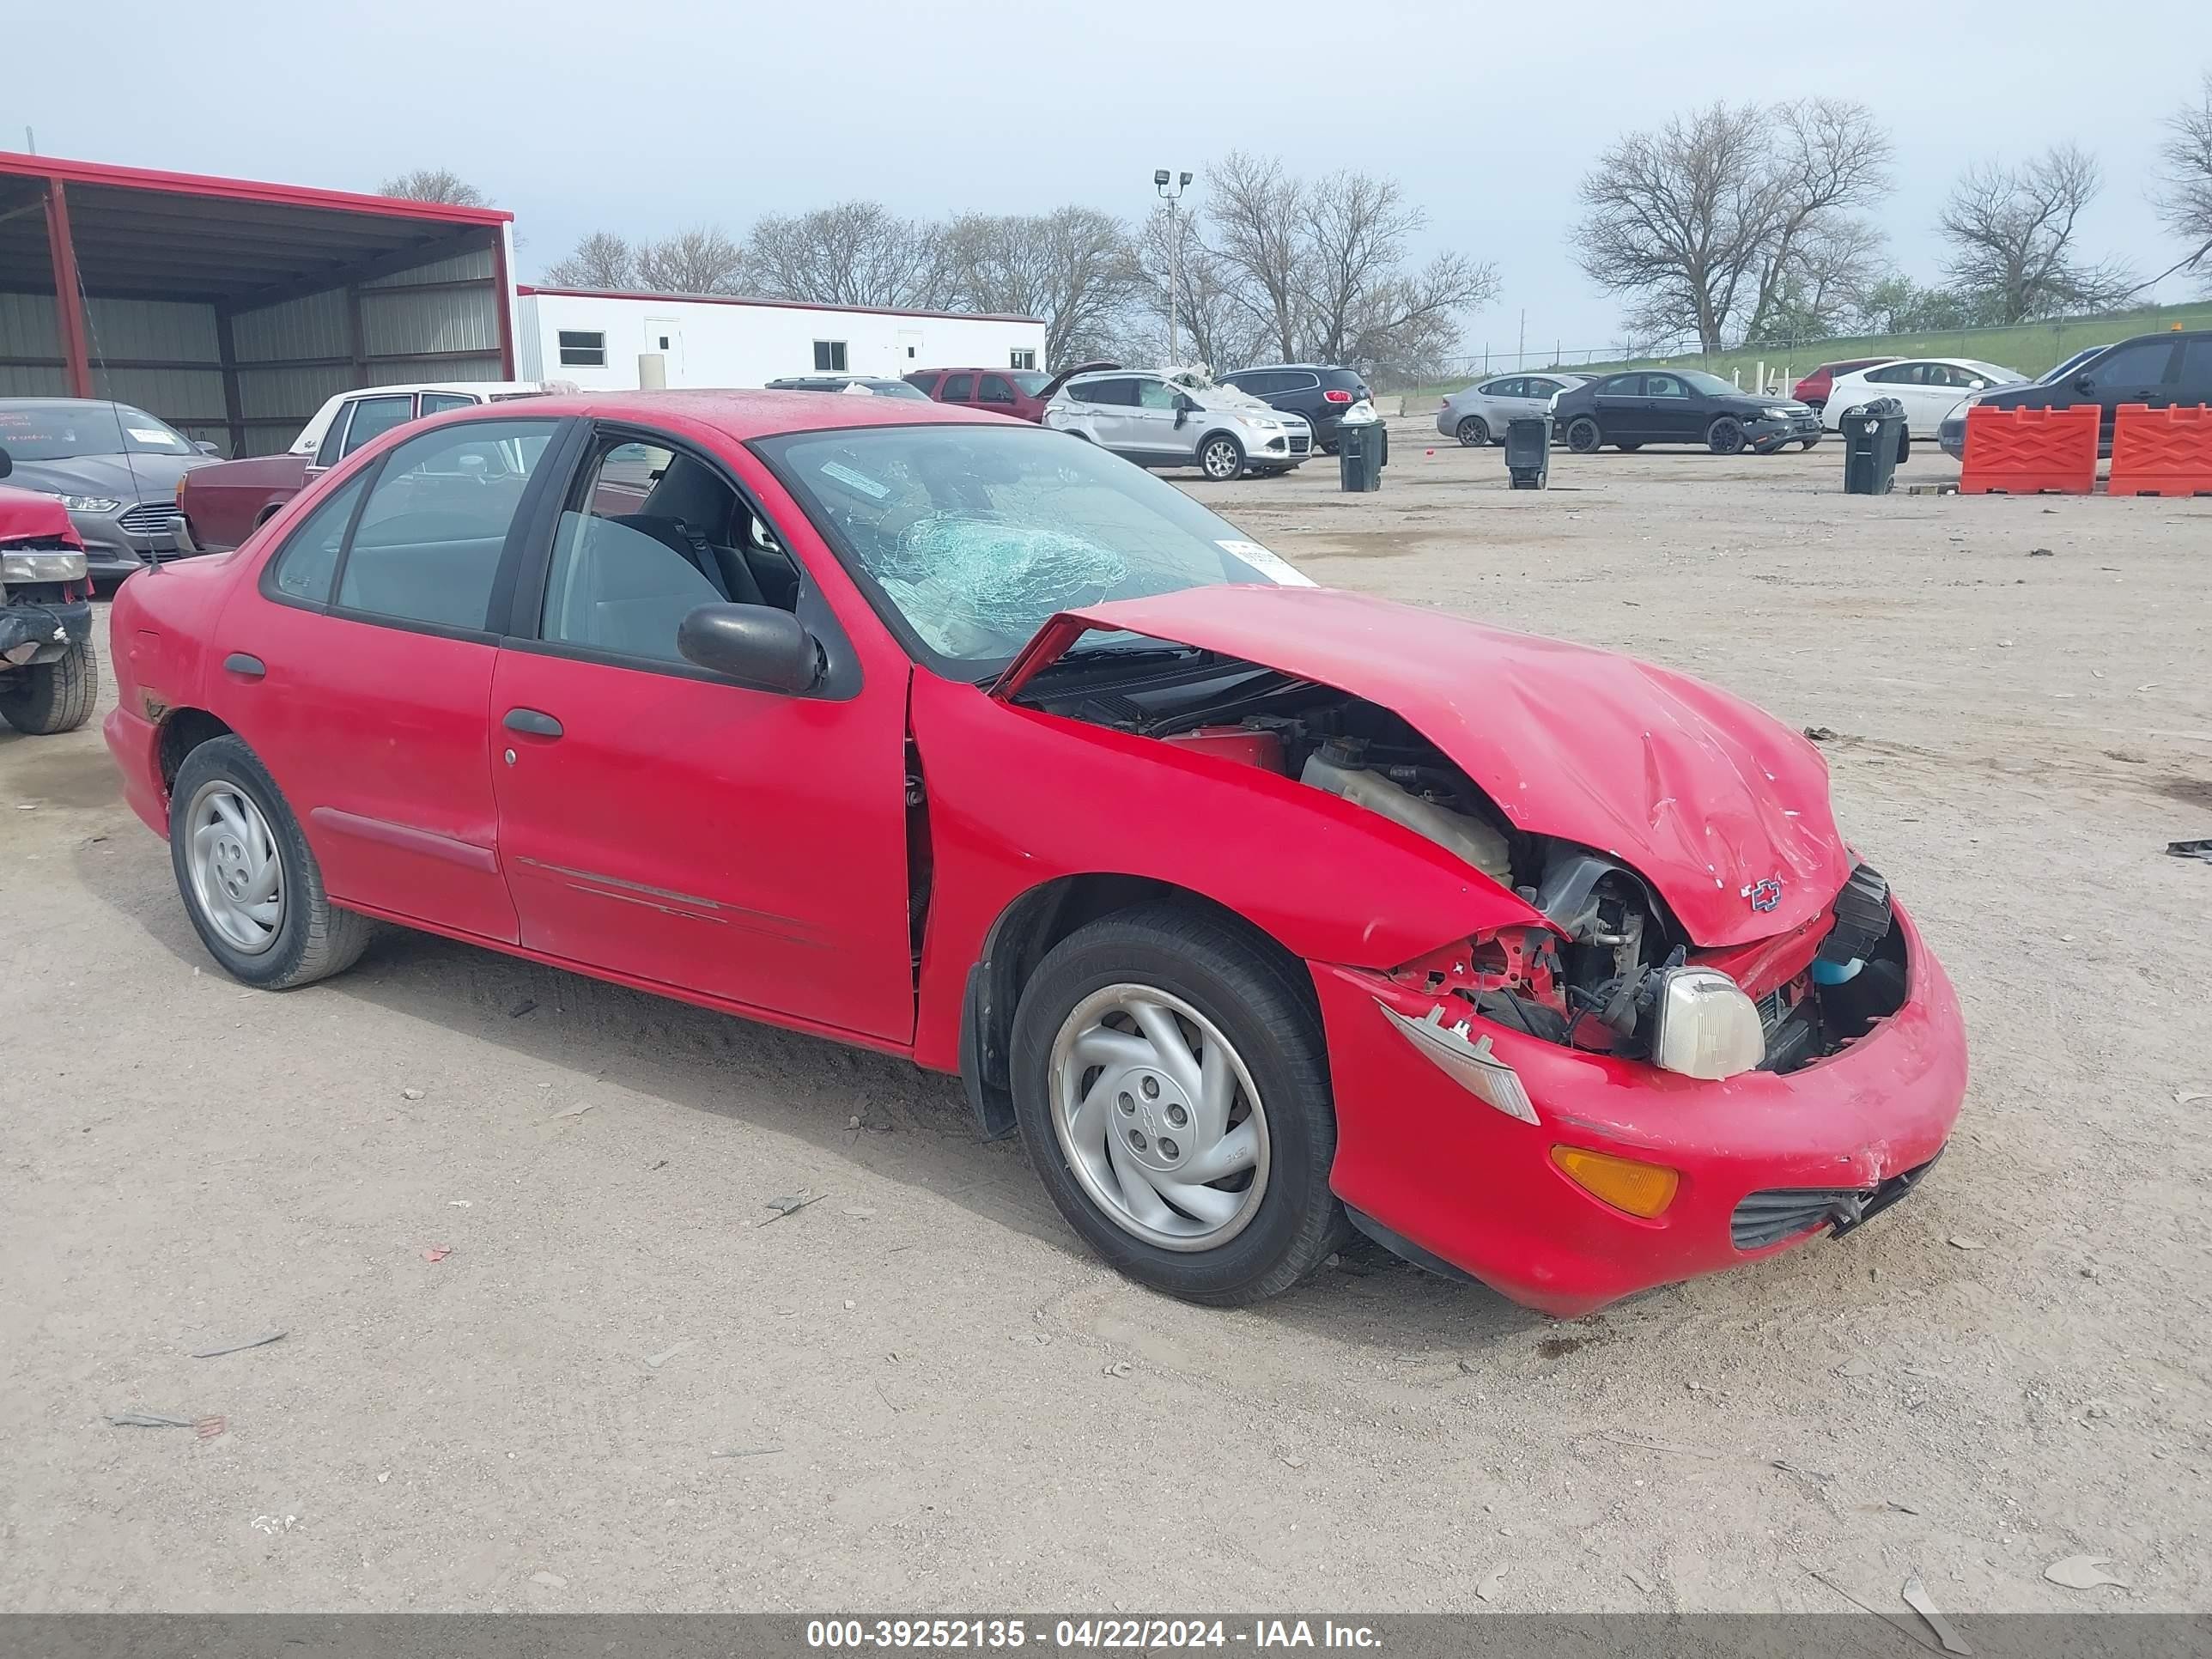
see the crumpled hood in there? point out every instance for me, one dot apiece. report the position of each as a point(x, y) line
point(1721, 808)
point(26, 516)
point(137, 479)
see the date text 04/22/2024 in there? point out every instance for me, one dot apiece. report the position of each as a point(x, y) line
point(1139, 1634)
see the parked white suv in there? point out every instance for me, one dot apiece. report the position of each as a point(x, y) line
point(1151, 420)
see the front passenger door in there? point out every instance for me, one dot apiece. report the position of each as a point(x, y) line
point(1671, 415)
point(2139, 372)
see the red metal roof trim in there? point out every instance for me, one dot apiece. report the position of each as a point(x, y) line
point(781, 305)
point(242, 189)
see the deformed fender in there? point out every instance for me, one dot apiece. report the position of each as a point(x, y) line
point(1018, 798)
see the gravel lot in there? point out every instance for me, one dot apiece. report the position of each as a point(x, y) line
point(926, 1397)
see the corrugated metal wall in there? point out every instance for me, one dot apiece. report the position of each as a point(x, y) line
point(27, 330)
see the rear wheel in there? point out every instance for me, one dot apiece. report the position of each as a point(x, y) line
point(1172, 1091)
point(1628, 449)
point(46, 698)
point(1725, 436)
point(1221, 458)
point(249, 881)
point(1473, 432)
point(1582, 436)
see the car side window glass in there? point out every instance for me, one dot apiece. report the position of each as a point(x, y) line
point(1621, 385)
point(435, 523)
point(1664, 386)
point(310, 554)
point(1155, 394)
point(1539, 387)
point(332, 449)
point(1300, 381)
point(2196, 369)
point(957, 388)
point(374, 416)
point(436, 402)
point(2141, 364)
point(994, 390)
point(1888, 375)
point(1121, 393)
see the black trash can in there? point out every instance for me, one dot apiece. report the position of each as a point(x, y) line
point(1874, 441)
point(1362, 449)
point(1529, 450)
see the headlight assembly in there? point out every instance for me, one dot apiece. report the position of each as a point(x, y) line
point(41, 567)
point(1703, 1024)
point(89, 503)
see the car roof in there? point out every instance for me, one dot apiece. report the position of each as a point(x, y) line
point(735, 414)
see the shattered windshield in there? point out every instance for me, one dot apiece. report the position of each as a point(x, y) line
point(972, 537)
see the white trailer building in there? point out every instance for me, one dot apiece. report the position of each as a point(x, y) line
point(609, 341)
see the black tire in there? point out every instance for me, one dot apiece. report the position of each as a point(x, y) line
point(1473, 432)
point(1725, 436)
point(314, 938)
point(1582, 436)
point(1256, 1000)
point(47, 698)
point(1629, 449)
point(1806, 443)
point(1221, 458)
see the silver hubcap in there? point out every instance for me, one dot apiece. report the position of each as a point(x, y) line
point(237, 876)
point(1473, 432)
point(1220, 458)
point(1157, 1117)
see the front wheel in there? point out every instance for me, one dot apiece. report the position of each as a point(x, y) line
point(1806, 443)
point(1725, 436)
point(249, 880)
point(1173, 1095)
point(47, 698)
point(1473, 432)
point(1221, 458)
point(1582, 436)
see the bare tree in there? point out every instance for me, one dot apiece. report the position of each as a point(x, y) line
point(1255, 208)
point(2012, 236)
point(857, 253)
point(1212, 326)
point(601, 259)
point(435, 185)
point(699, 260)
point(1360, 302)
point(2185, 196)
point(1073, 268)
point(1828, 280)
point(1700, 220)
point(1834, 157)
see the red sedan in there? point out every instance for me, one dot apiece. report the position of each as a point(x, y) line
point(1260, 911)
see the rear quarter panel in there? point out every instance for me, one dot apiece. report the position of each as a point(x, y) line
point(224, 503)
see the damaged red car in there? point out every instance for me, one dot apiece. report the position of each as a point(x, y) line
point(1259, 911)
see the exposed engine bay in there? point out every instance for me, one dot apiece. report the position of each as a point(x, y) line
point(1613, 972)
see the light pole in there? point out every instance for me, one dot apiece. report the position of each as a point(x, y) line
point(1171, 187)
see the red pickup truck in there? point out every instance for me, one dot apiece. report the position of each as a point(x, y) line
point(227, 503)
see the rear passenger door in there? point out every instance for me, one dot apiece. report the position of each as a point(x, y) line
point(1622, 414)
point(2136, 372)
point(359, 667)
point(995, 393)
point(957, 389)
point(1672, 413)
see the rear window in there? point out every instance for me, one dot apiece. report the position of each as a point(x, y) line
point(1341, 377)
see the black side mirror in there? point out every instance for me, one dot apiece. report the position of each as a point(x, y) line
point(755, 644)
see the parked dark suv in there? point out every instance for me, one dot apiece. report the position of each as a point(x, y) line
point(1316, 391)
point(2157, 370)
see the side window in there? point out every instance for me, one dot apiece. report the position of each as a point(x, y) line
point(2141, 362)
point(584, 348)
point(1021, 357)
point(1621, 385)
point(651, 534)
point(374, 416)
point(1155, 394)
point(1537, 386)
point(310, 555)
point(332, 449)
point(2196, 369)
point(994, 389)
point(1266, 383)
point(958, 388)
point(1664, 386)
point(1300, 380)
point(435, 403)
point(1898, 374)
point(435, 523)
point(1120, 393)
point(829, 356)
point(1506, 388)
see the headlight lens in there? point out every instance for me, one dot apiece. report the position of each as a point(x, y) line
point(89, 503)
point(1704, 1025)
point(1777, 414)
point(41, 567)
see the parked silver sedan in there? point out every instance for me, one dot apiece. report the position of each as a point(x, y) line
point(1478, 416)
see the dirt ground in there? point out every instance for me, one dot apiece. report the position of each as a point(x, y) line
point(621, 1390)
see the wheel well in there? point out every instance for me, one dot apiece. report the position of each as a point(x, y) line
point(1221, 432)
point(267, 513)
point(182, 731)
point(1024, 931)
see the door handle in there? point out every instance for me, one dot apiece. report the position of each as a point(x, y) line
point(532, 720)
point(245, 665)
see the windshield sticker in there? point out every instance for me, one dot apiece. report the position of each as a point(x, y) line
point(1284, 573)
point(148, 435)
point(860, 481)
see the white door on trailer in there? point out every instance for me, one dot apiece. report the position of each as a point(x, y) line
point(909, 352)
point(662, 335)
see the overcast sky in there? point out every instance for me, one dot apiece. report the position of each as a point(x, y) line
point(641, 118)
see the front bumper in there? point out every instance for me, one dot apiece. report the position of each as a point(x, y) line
point(112, 552)
point(1476, 1188)
point(1951, 436)
point(136, 743)
point(1774, 434)
point(35, 631)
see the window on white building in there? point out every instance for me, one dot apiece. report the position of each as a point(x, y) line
point(1021, 357)
point(829, 356)
point(585, 350)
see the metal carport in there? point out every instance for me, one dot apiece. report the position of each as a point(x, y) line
point(231, 308)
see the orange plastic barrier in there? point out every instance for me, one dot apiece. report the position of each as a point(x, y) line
point(2024, 451)
point(2161, 452)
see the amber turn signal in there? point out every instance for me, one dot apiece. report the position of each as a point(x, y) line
point(1643, 1189)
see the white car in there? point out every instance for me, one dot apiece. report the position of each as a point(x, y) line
point(1152, 421)
point(351, 418)
point(1928, 387)
point(1478, 415)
